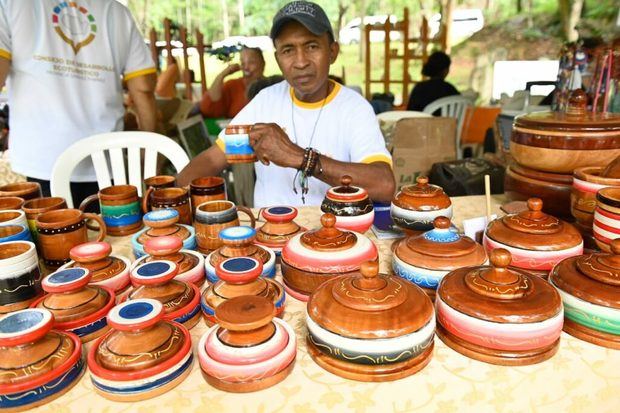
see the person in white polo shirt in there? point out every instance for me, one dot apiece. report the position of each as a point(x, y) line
point(306, 117)
point(65, 62)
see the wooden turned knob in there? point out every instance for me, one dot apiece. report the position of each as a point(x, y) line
point(154, 273)
point(500, 258)
point(534, 204)
point(370, 279)
point(67, 280)
point(245, 313)
point(89, 252)
point(422, 180)
point(135, 315)
point(161, 218)
point(615, 246)
point(346, 180)
point(163, 246)
point(328, 220)
point(577, 102)
point(441, 223)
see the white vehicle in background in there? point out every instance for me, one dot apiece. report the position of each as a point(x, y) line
point(353, 31)
point(465, 22)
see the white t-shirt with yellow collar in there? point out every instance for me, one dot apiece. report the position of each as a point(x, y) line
point(67, 62)
point(346, 130)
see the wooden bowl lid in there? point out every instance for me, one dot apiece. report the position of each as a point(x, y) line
point(441, 248)
point(161, 218)
point(370, 305)
point(245, 320)
point(498, 293)
point(163, 246)
point(576, 117)
point(346, 192)
point(69, 279)
point(421, 196)
point(594, 277)
point(240, 235)
point(328, 237)
point(154, 272)
point(534, 230)
point(279, 214)
point(89, 252)
point(239, 270)
point(25, 326)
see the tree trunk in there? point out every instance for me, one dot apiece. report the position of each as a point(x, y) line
point(529, 13)
point(342, 9)
point(225, 21)
point(570, 12)
point(446, 24)
point(241, 12)
point(362, 13)
point(519, 6)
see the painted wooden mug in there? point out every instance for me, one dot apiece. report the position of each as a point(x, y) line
point(61, 230)
point(35, 207)
point(166, 198)
point(212, 217)
point(207, 188)
point(24, 190)
point(120, 209)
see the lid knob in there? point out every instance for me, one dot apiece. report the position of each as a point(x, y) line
point(239, 270)
point(89, 252)
point(163, 246)
point(246, 320)
point(441, 223)
point(577, 102)
point(370, 279)
point(346, 180)
point(161, 218)
point(422, 180)
point(328, 220)
point(534, 204)
point(499, 281)
point(67, 280)
point(279, 214)
point(25, 326)
point(137, 314)
point(613, 260)
point(500, 258)
point(154, 273)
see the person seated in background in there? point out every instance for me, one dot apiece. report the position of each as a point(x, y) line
point(167, 80)
point(436, 68)
point(308, 131)
point(226, 99)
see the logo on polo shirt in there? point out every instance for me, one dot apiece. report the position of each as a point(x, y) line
point(74, 24)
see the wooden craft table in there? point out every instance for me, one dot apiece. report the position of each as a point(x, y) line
point(580, 377)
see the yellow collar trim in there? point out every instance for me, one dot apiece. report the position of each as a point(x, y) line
point(316, 105)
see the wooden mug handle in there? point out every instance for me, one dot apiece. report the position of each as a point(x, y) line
point(145, 200)
point(248, 212)
point(102, 228)
point(85, 203)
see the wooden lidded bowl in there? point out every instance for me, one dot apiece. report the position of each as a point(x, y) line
point(416, 206)
point(499, 315)
point(53, 359)
point(106, 270)
point(240, 276)
point(191, 264)
point(351, 206)
point(78, 307)
point(249, 349)
point(590, 289)
point(318, 255)
point(370, 327)
point(240, 242)
point(562, 142)
point(279, 228)
point(537, 241)
point(143, 356)
point(425, 259)
point(587, 182)
point(161, 223)
point(157, 280)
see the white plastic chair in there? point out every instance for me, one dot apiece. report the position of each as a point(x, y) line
point(452, 107)
point(116, 144)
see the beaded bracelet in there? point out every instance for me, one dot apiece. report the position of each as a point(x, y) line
point(307, 168)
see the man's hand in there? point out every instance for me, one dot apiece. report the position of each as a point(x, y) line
point(235, 67)
point(272, 144)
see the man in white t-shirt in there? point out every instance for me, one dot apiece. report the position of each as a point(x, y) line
point(65, 62)
point(306, 125)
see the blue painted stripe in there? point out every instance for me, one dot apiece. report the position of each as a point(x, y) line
point(120, 221)
point(13, 400)
point(206, 308)
point(90, 328)
point(187, 316)
point(148, 386)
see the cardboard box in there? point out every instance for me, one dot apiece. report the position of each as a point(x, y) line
point(418, 143)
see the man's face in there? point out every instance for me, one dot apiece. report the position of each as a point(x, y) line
point(304, 59)
point(252, 64)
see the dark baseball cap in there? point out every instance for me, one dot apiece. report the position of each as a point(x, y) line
point(311, 15)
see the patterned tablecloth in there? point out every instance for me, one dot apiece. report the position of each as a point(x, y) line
point(7, 176)
point(580, 377)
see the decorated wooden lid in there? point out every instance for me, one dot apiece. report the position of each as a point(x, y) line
point(346, 192)
point(279, 214)
point(534, 230)
point(154, 273)
point(499, 294)
point(279, 227)
point(329, 249)
point(95, 256)
point(168, 248)
point(441, 248)
point(370, 305)
point(72, 301)
point(162, 222)
point(239, 242)
point(576, 117)
point(593, 277)
point(239, 270)
point(32, 354)
point(422, 196)
point(245, 321)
